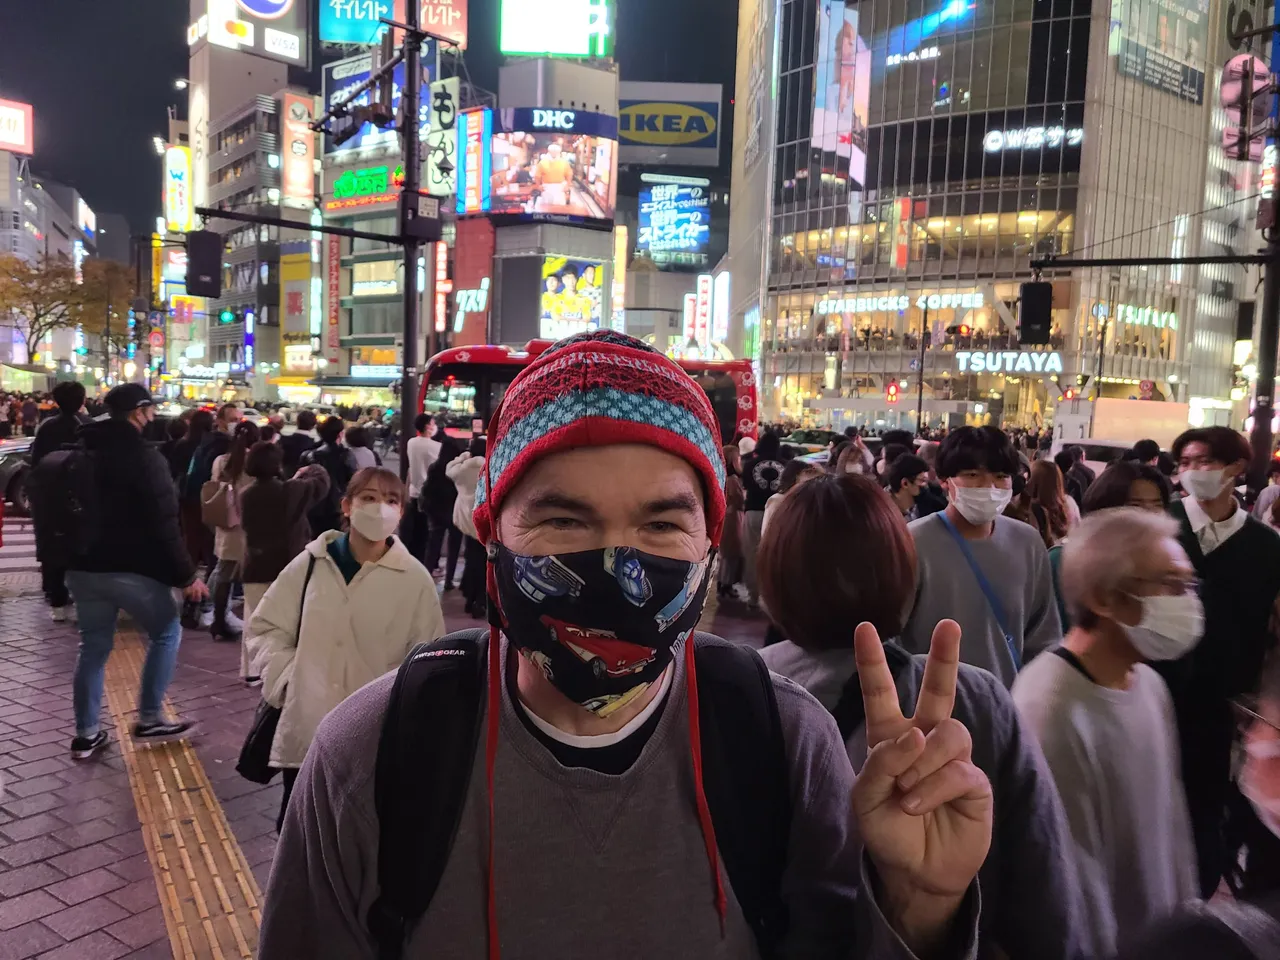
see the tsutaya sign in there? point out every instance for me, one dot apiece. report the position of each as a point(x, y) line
point(973, 300)
point(1009, 361)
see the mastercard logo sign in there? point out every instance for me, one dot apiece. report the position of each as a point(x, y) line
point(266, 9)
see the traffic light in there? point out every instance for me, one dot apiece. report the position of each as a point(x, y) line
point(1035, 316)
point(204, 264)
point(959, 330)
point(891, 392)
point(1069, 393)
point(226, 316)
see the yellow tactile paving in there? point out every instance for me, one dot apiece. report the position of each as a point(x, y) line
point(208, 893)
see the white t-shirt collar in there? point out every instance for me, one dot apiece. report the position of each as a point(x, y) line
point(605, 739)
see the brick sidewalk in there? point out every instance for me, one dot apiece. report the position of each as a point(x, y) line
point(75, 880)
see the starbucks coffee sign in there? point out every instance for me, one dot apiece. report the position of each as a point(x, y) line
point(1008, 361)
point(973, 300)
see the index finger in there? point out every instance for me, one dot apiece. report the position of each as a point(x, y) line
point(941, 671)
point(879, 695)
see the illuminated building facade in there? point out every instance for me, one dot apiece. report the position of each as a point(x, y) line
point(899, 163)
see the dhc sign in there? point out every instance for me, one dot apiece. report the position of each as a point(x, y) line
point(554, 119)
point(1009, 361)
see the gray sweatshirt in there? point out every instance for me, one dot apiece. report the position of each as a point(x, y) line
point(1031, 901)
point(587, 864)
point(1115, 754)
point(1016, 565)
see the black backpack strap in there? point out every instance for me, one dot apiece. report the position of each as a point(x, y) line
point(425, 756)
point(746, 780)
point(849, 711)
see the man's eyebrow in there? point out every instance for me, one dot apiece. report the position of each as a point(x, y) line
point(686, 502)
point(558, 501)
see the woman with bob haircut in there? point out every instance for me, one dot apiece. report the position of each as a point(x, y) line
point(837, 557)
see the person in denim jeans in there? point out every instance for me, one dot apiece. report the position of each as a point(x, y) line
point(138, 564)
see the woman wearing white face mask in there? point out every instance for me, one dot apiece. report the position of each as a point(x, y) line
point(344, 612)
point(1106, 723)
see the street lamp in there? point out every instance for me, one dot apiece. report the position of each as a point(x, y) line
point(158, 143)
point(180, 83)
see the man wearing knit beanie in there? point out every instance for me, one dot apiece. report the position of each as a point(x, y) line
point(586, 829)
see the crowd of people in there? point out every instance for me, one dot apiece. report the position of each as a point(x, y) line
point(1049, 698)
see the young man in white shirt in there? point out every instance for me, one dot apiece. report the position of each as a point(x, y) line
point(1238, 561)
point(423, 450)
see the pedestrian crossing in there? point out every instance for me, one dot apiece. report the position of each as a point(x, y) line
point(18, 552)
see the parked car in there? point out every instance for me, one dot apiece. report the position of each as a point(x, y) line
point(15, 464)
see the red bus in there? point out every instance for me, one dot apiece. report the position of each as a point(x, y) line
point(467, 384)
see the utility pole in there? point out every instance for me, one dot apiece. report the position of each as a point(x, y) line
point(924, 332)
point(1268, 344)
point(409, 101)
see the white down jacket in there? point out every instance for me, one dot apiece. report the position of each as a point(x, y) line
point(465, 472)
point(350, 635)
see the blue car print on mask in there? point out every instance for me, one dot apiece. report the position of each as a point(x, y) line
point(541, 577)
point(680, 602)
point(624, 565)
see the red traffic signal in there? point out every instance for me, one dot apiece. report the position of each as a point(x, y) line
point(891, 393)
point(1069, 394)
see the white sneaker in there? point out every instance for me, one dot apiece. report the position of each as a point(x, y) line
point(740, 593)
point(59, 614)
point(234, 623)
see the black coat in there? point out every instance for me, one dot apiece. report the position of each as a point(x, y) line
point(292, 447)
point(341, 467)
point(139, 508)
point(54, 434)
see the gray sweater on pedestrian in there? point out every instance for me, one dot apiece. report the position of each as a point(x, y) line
point(1114, 754)
point(1032, 905)
point(1016, 565)
point(587, 865)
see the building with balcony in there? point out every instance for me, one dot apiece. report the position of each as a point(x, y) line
point(898, 165)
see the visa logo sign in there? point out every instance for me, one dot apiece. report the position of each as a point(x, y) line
point(554, 119)
point(668, 124)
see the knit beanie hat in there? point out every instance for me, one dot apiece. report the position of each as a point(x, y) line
point(595, 390)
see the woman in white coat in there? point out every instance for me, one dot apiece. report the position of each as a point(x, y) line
point(343, 613)
point(228, 542)
point(465, 472)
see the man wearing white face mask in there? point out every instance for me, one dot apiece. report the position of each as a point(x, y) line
point(1106, 724)
point(342, 613)
point(987, 572)
point(1238, 561)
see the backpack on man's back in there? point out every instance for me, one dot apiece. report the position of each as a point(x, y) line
point(66, 506)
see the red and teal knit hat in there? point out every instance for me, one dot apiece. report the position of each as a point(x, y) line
point(595, 390)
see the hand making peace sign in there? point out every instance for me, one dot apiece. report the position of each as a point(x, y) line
point(923, 809)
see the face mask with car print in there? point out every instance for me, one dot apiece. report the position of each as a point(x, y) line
point(601, 625)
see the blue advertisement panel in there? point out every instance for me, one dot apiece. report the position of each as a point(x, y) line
point(353, 21)
point(344, 76)
point(675, 225)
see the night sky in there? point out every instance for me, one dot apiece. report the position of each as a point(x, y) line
point(100, 74)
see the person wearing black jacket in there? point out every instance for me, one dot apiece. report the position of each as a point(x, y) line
point(54, 434)
point(135, 563)
point(341, 467)
point(439, 494)
point(295, 444)
point(761, 478)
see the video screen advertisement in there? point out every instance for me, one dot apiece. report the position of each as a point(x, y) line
point(675, 225)
point(842, 88)
point(572, 297)
point(553, 165)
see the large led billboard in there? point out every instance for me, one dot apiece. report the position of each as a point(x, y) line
point(675, 225)
point(357, 21)
point(553, 164)
point(343, 76)
point(16, 123)
point(842, 88)
point(556, 28)
point(275, 29)
point(572, 297)
point(1162, 44)
point(178, 201)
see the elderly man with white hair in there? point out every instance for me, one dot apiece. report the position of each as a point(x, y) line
point(1105, 719)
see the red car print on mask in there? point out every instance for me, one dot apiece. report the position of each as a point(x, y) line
point(601, 649)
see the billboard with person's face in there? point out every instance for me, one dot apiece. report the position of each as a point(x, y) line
point(842, 87)
point(572, 297)
point(554, 164)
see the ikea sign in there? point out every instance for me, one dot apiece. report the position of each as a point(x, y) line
point(671, 123)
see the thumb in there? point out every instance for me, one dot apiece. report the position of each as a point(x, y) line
point(888, 761)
